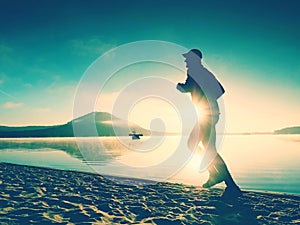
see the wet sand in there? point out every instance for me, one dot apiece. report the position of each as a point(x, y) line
point(33, 195)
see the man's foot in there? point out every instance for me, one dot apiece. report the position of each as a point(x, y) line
point(232, 192)
point(211, 182)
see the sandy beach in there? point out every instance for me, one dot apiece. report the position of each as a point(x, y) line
point(33, 195)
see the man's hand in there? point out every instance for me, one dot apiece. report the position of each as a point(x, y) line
point(180, 87)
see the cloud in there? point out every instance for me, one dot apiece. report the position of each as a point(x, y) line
point(3, 77)
point(12, 105)
point(41, 110)
point(5, 49)
point(94, 45)
point(67, 88)
point(5, 53)
point(7, 94)
point(28, 85)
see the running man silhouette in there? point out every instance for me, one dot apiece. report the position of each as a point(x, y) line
point(205, 89)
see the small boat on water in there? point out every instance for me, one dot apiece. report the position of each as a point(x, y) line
point(135, 136)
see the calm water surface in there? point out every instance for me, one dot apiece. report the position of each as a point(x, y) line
point(257, 162)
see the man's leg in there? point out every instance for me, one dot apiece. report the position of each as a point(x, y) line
point(224, 172)
point(218, 170)
point(209, 142)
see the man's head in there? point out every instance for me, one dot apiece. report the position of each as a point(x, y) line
point(193, 57)
point(193, 53)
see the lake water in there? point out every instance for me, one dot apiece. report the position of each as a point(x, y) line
point(257, 162)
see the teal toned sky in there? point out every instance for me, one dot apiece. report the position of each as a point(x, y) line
point(253, 48)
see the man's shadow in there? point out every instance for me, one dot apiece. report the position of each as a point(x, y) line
point(235, 210)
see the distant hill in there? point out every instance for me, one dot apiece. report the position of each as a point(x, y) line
point(6, 129)
point(288, 130)
point(101, 121)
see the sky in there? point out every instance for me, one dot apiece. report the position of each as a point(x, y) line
point(252, 47)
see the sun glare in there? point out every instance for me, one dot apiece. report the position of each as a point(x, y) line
point(156, 114)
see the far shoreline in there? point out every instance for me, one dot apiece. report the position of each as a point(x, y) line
point(172, 135)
